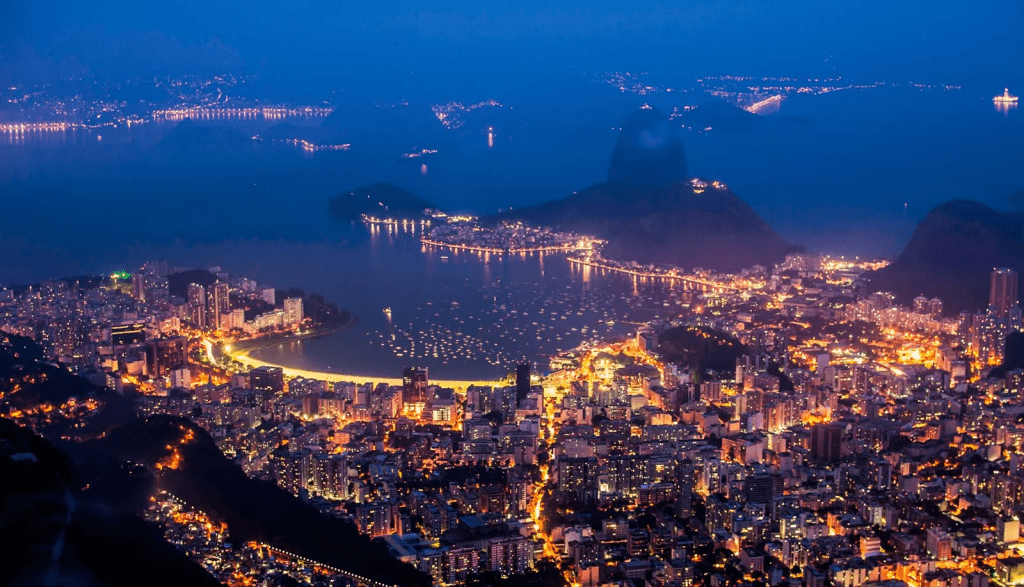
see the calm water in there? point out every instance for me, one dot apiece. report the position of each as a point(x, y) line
point(850, 172)
point(477, 313)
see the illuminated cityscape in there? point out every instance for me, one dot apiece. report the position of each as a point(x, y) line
point(615, 430)
point(508, 295)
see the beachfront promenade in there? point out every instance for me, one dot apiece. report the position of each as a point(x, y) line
point(245, 359)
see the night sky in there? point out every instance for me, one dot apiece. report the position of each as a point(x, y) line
point(312, 43)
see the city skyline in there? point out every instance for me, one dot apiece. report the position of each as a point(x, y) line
point(478, 294)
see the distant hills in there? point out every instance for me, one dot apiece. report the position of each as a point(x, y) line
point(381, 200)
point(370, 127)
point(951, 254)
point(177, 283)
point(721, 115)
point(649, 212)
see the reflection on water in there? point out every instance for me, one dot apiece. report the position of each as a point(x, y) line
point(1005, 107)
point(45, 134)
point(68, 133)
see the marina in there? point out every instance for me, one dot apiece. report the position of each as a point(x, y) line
point(473, 316)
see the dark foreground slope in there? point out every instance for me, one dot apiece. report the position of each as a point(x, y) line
point(951, 254)
point(41, 503)
point(650, 212)
point(127, 460)
point(254, 510)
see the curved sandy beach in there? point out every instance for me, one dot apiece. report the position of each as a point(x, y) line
point(245, 359)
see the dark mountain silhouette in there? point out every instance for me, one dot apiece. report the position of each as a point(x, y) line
point(254, 510)
point(371, 127)
point(21, 356)
point(650, 213)
point(648, 153)
point(700, 348)
point(951, 254)
point(108, 540)
point(102, 546)
point(1013, 357)
point(381, 200)
point(177, 283)
point(188, 135)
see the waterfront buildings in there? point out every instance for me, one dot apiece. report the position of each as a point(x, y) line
point(845, 439)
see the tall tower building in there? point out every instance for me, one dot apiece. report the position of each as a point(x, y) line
point(197, 305)
point(217, 304)
point(292, 311)
point(686, 476)
point(414, 385)
point(1003, 291)
point(826, 442)
point(139, 286)
point(921, 305)
point(522, 380)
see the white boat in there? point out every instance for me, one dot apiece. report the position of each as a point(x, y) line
point(1006, 98)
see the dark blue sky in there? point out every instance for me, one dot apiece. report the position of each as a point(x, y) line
point(322, 44)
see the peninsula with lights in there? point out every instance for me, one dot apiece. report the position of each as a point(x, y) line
point(650, 210)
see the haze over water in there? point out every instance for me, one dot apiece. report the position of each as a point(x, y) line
point(849, 173)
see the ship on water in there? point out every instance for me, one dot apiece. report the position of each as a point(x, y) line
point(1006, 98)
point(1005, 103)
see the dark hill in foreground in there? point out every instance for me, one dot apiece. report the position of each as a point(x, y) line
point(254, 510)
point(100, 545)
point(650, 212)
point(118, 472)
point(952, 253)
point(381, 200)
point(700, 348)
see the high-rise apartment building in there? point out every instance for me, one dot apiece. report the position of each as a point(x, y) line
point(292, 312)
point(510, 556)
point(1003, 291)
point(165, 355)
point(197, 305)
point(826, 442)
point(522, 381)
point(415, 381)
point(217, 304)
